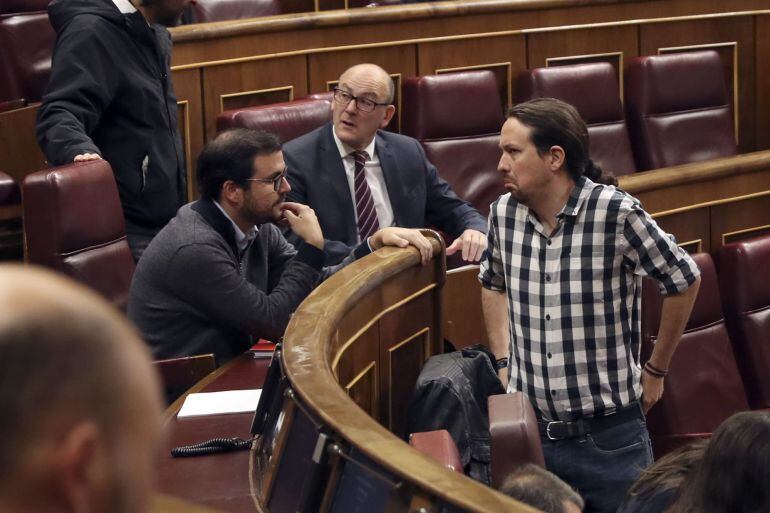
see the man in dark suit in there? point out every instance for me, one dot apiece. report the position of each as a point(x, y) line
point(358, 178)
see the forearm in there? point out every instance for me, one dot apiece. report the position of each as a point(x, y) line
point(496, 319)
point(675, 313)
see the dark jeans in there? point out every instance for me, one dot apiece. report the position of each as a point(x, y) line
point(602, 465)
point(139, 238)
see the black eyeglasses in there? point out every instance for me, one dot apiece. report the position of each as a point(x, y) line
point(363, 104)
point(275, 181)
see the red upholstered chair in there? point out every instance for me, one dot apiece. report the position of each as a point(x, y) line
point(26, 44)
point(703, 386)
point(73, 222)
point(9, 7)
point(287, 120)
point(514, 433)
point(457, 118)
point(439, 446)
point(326, 96)
point(9, 190)
point(745, 285)
point(592, 89)
point(205, 11)
point(677, 109)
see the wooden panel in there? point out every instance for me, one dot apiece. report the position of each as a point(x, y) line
point(405, 360)
point(506, 56)
point(362, 389)
point(739, 220)
point(582, 43)
point(255, 77)
point(255, 98)
point(655, 36)
point(187, 86)
point(463, 317)
point(691, 229)
point(19, 153)
point(762, 73)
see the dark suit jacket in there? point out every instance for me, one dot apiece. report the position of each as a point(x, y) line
point(418, 196)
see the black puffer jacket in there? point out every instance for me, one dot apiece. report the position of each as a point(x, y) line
point(110, 93)
point(451, 393)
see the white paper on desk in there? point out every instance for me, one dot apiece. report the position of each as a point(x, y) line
point(217, 403)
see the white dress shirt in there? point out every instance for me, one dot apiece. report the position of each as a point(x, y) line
point(374, 178)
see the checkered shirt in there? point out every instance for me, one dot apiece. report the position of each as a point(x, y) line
point(574, 296)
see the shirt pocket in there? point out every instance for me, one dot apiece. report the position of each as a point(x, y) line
point(588, 277)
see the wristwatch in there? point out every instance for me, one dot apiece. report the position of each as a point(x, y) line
point(501, 363)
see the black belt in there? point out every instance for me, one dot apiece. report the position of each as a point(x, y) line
point(560, 430)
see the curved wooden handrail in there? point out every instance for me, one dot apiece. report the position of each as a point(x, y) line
point(695, 172)
point(308, 356)
point(402, 12)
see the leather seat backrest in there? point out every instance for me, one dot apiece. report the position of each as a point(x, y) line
point(745, 285)
point(515, 435)
point(439, 446)
point(26, 45)
point(8, 7)
point(703, 386)
point(678, 110)
point(205, 11)
point(9, 190)
point(73, 222)
point(287, 120)
point(457, 118)
point(592, 89)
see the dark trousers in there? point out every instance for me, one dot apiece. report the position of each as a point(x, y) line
point(602, 465)
point(139, 238)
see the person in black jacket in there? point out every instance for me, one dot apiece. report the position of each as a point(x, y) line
point(110, 96)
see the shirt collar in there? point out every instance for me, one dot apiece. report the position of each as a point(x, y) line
point(242, 240)
point(346, 150)
point(577, 197)
point(124, 6)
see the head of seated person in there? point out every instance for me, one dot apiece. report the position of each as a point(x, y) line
point(81, 407)
point(363, 104)
point(536, 487)
point(734, 473)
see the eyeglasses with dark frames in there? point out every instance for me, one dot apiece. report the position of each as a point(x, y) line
point(275, 181)
point(363, 104)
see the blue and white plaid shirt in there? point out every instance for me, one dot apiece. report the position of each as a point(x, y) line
point(574, 296)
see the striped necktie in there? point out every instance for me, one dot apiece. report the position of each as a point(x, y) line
point(367, 215)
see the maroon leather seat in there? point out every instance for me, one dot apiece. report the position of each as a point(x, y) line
point(326, 96)
point(26, 43)
point(287, 120)
point(457, 118)
point(703, 386)
point(73, 222)
point(9, 190)
point(678, 110)
point(514, 433)
point(439, 446)
point(745, 282)
point(9, 7)
point(593, 90)
point(205, 11)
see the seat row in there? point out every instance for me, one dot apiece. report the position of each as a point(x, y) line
point(722, 363)
point(677, 111)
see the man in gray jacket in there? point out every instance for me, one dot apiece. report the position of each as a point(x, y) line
point(220, 276)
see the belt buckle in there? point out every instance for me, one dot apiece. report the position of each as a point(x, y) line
point(548, 430)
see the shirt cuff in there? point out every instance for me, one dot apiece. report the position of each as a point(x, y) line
point(362, 250)
point(311, 256)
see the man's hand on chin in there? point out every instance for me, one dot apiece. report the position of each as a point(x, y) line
point(403, 237)
point(472, 243)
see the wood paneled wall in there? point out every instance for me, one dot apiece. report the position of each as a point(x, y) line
point(253, 62)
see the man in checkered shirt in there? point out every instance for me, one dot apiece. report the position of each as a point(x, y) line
point(561, 295)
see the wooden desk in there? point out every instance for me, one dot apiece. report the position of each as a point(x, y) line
point(219, 481)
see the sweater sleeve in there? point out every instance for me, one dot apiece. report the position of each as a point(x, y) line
point(208, 279)
point(82, 85)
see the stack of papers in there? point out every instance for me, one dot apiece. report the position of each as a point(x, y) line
point(219, 403)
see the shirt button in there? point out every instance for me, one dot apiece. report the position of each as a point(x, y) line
point(547, 317)
point(547, 277)
point(549, 355)
point(548, 242)
point(553, 392)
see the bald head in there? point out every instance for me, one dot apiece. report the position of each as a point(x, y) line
point(366, 105)
point(74, 377)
